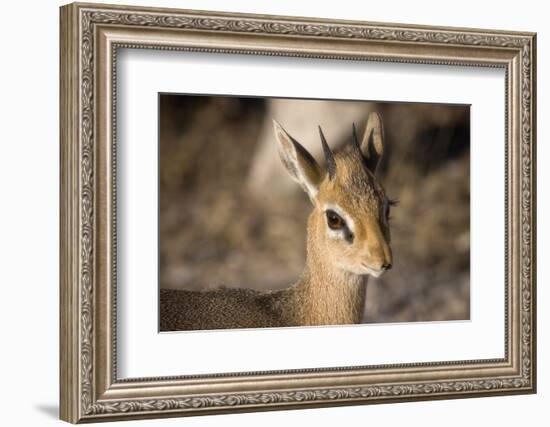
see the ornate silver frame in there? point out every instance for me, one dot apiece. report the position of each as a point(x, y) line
point(90, 36)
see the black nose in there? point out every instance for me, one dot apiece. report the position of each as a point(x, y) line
point(387, 266)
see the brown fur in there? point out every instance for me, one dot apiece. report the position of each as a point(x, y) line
point(322, 296)
point(332, 288)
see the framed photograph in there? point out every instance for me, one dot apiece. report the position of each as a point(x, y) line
point(265, 212)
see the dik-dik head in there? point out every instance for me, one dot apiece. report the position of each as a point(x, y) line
point(351, 210)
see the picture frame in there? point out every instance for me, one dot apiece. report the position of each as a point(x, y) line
point(91, 36)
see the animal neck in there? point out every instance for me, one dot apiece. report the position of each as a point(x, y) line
point(328, 295)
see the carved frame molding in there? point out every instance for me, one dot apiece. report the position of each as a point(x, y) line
point(90, 37)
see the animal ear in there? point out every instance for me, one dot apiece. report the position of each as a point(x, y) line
point(372, 144)
point(301, 166)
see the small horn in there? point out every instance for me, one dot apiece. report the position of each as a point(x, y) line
point(331, 164)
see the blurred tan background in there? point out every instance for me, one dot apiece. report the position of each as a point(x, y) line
point(231, 216)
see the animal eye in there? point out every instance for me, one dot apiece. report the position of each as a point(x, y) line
point(387, 207)
point(335, 221)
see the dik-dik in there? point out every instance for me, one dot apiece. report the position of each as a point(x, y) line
point(348, 239)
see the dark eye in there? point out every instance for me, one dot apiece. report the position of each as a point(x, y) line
point(335, 221)
point(387, 207)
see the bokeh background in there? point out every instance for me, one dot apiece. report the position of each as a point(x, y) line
point(231, 216)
